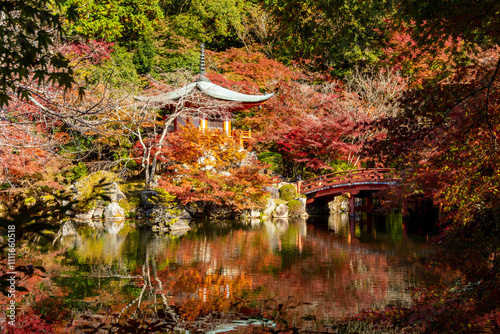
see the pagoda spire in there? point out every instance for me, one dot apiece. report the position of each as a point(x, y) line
point(202, 76)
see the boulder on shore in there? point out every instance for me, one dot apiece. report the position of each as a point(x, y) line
point(179, 225)
point(281, 211)
point(114, 212)
point(270, 207)
point(251, 213)
point(275, 192)
point(147, 202)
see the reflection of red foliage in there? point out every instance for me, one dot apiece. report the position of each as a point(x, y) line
point(29, 323)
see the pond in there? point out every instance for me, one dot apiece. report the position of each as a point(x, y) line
point(320, 268)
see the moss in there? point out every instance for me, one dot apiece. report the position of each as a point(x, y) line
point(288, 192)
point(278, 201)
point(131, 203)
point(91, 187)
point(29, 201)
point(294, 207)
point(132, 191)
point(77, 172)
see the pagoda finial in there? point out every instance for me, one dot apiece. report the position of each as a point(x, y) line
point(202, 76)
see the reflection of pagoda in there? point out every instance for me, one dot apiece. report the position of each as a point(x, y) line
point(209, 92)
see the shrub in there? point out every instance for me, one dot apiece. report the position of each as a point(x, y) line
point(273, 159)
point(294, 208)
point(288, 192)
point(77, 172)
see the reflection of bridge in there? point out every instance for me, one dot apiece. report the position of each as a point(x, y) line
point(348, 183)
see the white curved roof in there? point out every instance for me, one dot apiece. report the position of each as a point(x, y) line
point(209, 89)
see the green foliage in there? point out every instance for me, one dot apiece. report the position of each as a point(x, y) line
point(119, 71)
point(337, 34)
point(214, 22)
point(77, 172)
point(171, 60)
point(288, 192)
point(164, 205)
point(279, 201)
point(163, 197)
point(113, 20)
point(339, 166)
point(273, 159)
point(28, 31)
point(144, 55)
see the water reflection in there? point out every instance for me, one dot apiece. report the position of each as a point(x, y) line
point(334, 266)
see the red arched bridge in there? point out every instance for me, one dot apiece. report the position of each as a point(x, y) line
point(348, 183)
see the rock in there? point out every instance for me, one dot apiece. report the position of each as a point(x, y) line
point(339, 204)
point(303, 202)
point(114, 212)
point(114, 192)
point(146, 195)
point(85, 186)
point(274, 191)
point(251, 213)
point(178, 212)
point(270, 207)
point(219, 212)
point(179, 225)
point(98, 212)
point(281, 211)
point(68, 229)
point(84, 216)
point(73, 189)
point(161, 213)
point(195, 209)
point(254, 213)
point(288, 192)
point(345, 206)
point(210, 210)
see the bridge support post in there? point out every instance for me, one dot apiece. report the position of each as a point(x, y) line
point(352, 204)
point(369, 204)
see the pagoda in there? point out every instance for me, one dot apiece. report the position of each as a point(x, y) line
point(214, 94)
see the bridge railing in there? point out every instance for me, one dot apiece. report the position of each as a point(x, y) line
point(346, 177)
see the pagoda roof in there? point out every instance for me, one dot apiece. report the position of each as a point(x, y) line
point(210, 89)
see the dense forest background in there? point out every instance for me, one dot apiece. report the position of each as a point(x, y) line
point(407, 84)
